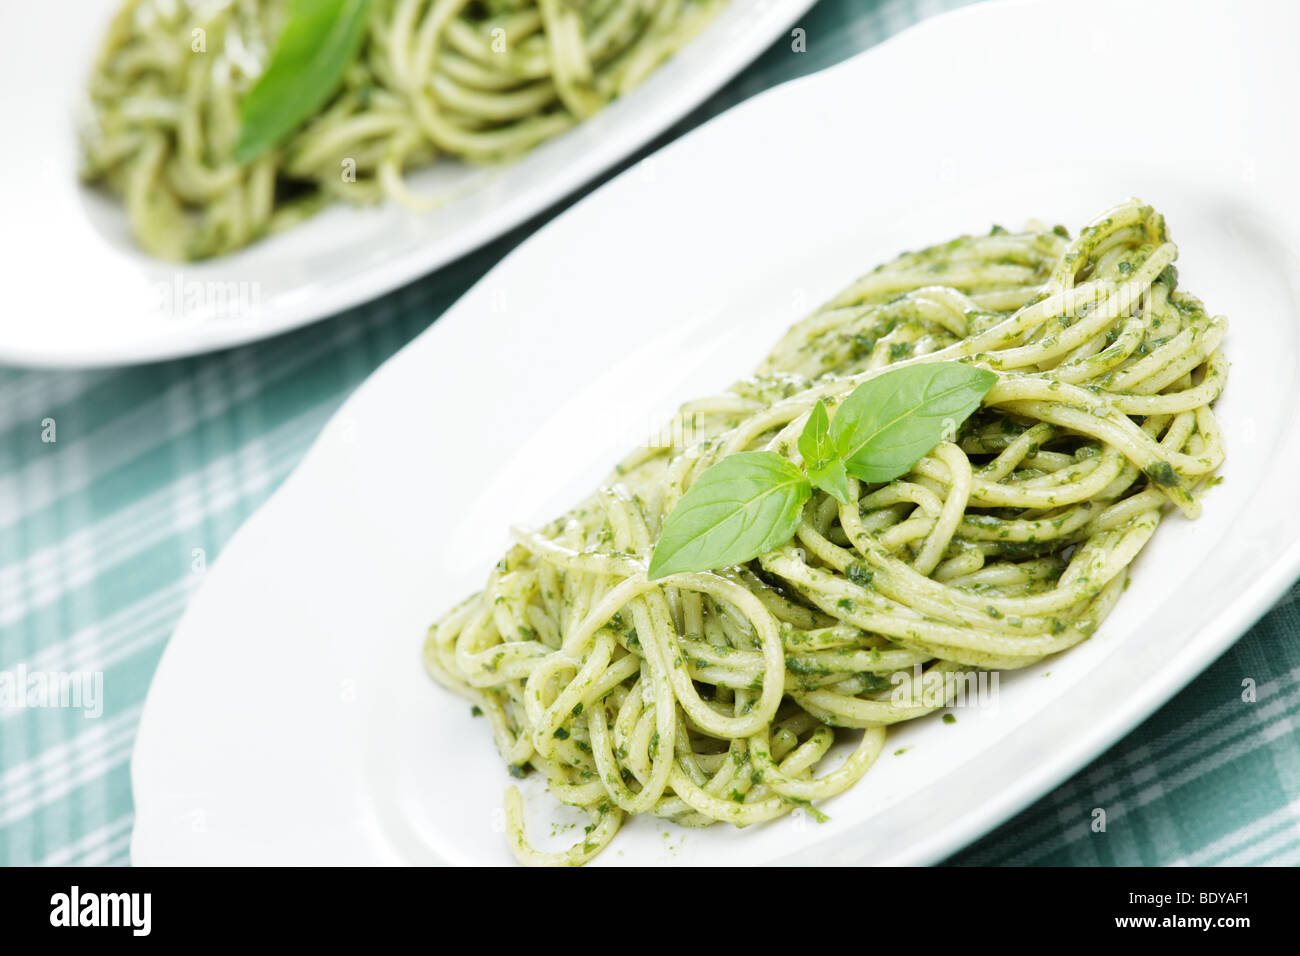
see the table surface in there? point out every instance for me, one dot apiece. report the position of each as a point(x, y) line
point(105, 532)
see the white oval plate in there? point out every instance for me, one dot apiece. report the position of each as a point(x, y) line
point(79, 292)
point(290, 720)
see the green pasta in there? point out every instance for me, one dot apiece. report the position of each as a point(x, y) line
point(715, 696)
point(477, 80)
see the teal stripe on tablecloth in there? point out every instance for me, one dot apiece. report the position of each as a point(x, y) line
point(158, 465)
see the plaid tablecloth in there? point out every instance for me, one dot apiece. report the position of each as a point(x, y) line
point(151, 469)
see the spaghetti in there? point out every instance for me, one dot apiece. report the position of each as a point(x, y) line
point(716, 696)
point(482, 80)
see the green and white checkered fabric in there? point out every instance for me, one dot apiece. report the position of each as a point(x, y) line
point(153, 468)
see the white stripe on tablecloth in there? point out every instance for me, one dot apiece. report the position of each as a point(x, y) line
point(98, 842)
point(186, 502)
point(55, 772)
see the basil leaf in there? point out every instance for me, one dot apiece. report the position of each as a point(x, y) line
point(825, 470)
point(890, 423)
point(815, 440)
point(832, 479)
point(741, 507)
point(319, 41)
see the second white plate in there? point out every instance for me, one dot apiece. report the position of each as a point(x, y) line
point(80, 293)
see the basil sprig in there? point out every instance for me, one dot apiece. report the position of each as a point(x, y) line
point(749, 503)
point(319, 41)
point(821, 457)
